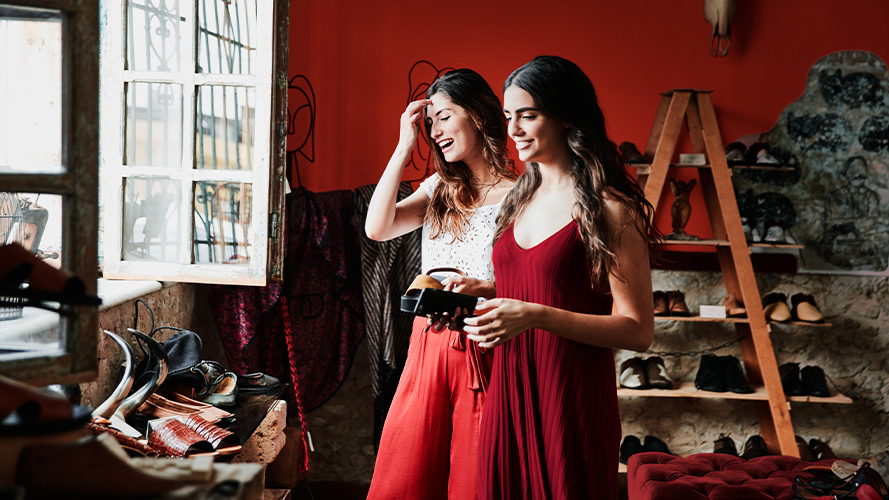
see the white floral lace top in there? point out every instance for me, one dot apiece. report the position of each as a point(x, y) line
point(472, 255)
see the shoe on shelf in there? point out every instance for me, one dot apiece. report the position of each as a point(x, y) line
point(725, 445)
point(629, 447)
point(652, 443)
point(632, 374)
point(223, 393)
point(660, 304)
point(45, 282)
point(814, 382)
point(775, 307)
point(755, 447)
point(820, 449)
point(711, 374)
point(657, 375)
point(28, 410)
point(630, 153)
point(734, 152)
point(805, 309)
point(805, 454)
point(764, 157)
point(790, 379)
point(676, 304)
point(734, 307)
point(735, 380)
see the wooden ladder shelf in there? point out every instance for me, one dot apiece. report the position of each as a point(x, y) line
point(696, 107)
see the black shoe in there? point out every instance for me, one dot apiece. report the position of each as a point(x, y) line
point(755, 447)
point(654, 444)
point(658, 378)
point(630, 153)
point(711, 374)
point(725, 445)
point(735, 381)
point(629, 447)
point(790, 379)
point(813, 382)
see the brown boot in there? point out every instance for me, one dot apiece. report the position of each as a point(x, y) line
point(676, 304)
point(660, 304)
point(734, 308)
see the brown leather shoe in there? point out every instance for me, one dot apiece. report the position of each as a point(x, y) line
point(775, 307)
point(656, 371)
point(660, 304)
point(805, 309)
point(676, 304)
point(734, 307)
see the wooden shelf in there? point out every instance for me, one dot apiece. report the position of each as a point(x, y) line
point(698, 319)
point(645, 168)
point(688, 390)
point(725, 243)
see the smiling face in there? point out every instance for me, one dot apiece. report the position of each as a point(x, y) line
point(538, 138)
point(453, 130)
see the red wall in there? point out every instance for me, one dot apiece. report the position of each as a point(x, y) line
point(357, 55)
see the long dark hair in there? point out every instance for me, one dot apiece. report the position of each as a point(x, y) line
point(562, 91)
point(453, 200)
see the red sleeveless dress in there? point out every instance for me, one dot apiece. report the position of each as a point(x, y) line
point(550, 426)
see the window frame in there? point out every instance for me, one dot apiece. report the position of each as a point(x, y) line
point(76, 360)
point(267, 178)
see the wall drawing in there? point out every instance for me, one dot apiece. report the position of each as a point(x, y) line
point(835, 196)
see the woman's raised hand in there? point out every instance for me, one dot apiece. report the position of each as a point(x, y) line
point(411, 121)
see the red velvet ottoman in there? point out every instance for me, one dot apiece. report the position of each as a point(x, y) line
point(714, 476)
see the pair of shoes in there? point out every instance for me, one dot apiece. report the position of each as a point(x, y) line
point(734, 306)
point(810, 381)
point(631, 446)
point(638, 373)
point(804, 308)
point(157, 406)
point(630, 153)
point(45, 283)
point(814, 450)
point(864, 483)
point(670, 303)
point(734, 153)
point(725, 445)
point(720, 374)
point(755, 447)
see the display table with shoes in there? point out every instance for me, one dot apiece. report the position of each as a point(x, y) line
point(658, 476)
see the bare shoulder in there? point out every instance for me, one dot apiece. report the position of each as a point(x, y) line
point(620, 216)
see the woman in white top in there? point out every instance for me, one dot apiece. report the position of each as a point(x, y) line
point(428, 449)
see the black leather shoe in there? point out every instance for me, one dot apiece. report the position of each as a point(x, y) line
point(790, 379)
point(629, 447)
point(755, 447)
point(725, 445)
point(813, 382)
point(711, 374)
point(820, 449)
point(652, 443)
point(735, 381)
point(630, 153)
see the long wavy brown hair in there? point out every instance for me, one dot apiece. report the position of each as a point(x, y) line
point(454, 200)
point(562, 91)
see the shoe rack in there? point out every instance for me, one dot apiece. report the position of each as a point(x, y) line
point(695, 108)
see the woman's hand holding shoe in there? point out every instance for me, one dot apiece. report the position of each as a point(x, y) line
point(499, 320)
point(470, 286)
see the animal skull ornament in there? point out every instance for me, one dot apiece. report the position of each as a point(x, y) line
point(719, 13)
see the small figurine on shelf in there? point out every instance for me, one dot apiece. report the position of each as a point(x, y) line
point(681, 209)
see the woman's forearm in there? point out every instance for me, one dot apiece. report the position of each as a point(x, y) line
point(612, 331)
point(380, 224)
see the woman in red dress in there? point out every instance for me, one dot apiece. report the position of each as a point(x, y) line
point(573, 283)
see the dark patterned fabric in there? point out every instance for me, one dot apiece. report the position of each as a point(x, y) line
point(388, 267)
point(322, 283)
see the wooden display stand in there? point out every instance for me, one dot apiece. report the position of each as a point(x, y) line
point(696, 109)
